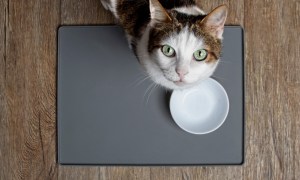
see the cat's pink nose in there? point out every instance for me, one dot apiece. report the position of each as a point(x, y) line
point(181, 73)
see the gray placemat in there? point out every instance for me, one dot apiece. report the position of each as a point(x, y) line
point(107, 116)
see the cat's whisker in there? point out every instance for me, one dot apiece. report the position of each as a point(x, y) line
point(141, 76)
point(137, 80)
point(151, 91)
point(162, 87)
point(218, 77)
point(147, 90)
point(141, 81)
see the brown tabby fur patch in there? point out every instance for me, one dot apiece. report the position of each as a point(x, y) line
point(134, 15)
point(164, 30)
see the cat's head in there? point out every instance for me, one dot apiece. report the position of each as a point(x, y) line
point(182, 49)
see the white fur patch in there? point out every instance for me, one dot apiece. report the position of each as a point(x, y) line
point(149, 64)
point(190, 10)
point(162, 68)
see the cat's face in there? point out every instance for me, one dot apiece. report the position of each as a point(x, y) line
point(183, 57)
point(184, 50)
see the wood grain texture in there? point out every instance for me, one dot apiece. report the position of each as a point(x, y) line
point(3, 114)
point(272, 58)
point(28, 91)
point(84, 12)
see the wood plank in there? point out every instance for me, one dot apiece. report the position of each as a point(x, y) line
point(3, 111)
point(30, 92)
point(272, 106)
point(287, 105)
point(79, 173)
point(88, 12)
point(132, 173)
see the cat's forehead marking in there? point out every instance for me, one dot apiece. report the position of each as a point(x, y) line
point(186, 32)
point(184, 36)
point(185, 19)
point(185, 41)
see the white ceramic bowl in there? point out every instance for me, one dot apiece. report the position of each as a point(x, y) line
point(201, 109)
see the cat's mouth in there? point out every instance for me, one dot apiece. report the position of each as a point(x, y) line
point(176, 82)
point(179, 83)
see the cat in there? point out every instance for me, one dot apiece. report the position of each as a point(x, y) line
point(174, 40)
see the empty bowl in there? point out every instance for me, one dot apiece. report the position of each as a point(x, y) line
point(201, 109)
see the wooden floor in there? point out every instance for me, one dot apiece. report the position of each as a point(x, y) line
point(28, 49)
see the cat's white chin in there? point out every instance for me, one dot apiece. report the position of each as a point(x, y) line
point(186, 85)
point(157, 75)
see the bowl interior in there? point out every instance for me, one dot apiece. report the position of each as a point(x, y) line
point(201, 109)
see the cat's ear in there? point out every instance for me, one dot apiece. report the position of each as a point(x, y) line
point(158, 12)
point(214, 22)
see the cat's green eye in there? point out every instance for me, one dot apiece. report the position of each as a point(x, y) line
point(168, 51)
point(200, 55)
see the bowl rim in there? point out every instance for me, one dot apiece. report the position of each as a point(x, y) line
point(171, 105)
